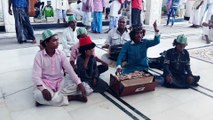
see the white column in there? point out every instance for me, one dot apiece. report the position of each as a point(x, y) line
point(153, 11)
point(8, 19)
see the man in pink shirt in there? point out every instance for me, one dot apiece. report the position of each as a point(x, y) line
point(136, 12)
point(48, 74)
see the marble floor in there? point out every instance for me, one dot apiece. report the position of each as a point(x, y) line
point(17, 103)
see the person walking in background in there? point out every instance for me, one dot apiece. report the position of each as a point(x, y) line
point(182, 8)
point(69, 35)
point(208, 30)
point(172, 8)
point(61, 8)
point(203, 9)
point(24, 30)
point(195, 14)
point(209, 11)
point(99, 8)
point(48, 10)
point(136, 12)
point(87, 7)
point(108, 10)
point(115, 12)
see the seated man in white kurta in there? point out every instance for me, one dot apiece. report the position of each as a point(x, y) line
point(69, 35)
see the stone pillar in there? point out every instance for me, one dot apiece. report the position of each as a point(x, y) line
point(9, 21)
point(153, 11)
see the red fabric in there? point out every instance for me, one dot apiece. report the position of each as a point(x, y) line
point(137, 4)
point(85, 41)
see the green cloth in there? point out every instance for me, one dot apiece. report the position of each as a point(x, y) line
point(47, 34)
point(81, 31)
point(48, 11)
point(182, 39)
point(71, 18)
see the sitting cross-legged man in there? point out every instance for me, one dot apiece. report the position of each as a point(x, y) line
point(135, 51)
point(48, 74)
point(177, 71)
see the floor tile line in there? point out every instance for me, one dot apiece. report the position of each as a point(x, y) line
point(130, 107)
point(120, 107)
point(206, 94)
point(193, 88)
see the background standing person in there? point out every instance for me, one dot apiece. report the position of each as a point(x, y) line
point(87, 12)
point(99, 8)
point(136, 12)
point(195, 14)
point(209, 11)
point(115, 13)
point(61, 8)
point(182, 8)
point(208, 30)
point(172, 8)
point(203, 9)
point(24, 30)
point(48, 10)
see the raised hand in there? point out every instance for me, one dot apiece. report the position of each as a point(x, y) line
point(155, 26)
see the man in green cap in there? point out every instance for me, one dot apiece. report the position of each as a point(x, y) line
point(48, 75)
point(69, 35)
point(177, 71)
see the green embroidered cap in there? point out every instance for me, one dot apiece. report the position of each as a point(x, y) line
point(182, 39)
point(71, 18)
point(81, 31)
point(47, 34)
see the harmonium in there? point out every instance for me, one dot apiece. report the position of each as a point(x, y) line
point(132, 83)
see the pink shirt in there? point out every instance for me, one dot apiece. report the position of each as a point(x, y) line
point(48, 71)
point(98, 5)
point(137, 4)
point(74, 52)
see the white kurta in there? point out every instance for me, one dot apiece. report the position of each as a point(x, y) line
point(59, 98)
point(195, 14)
point(69, 39)
point(203, 9)
point(209, 11)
